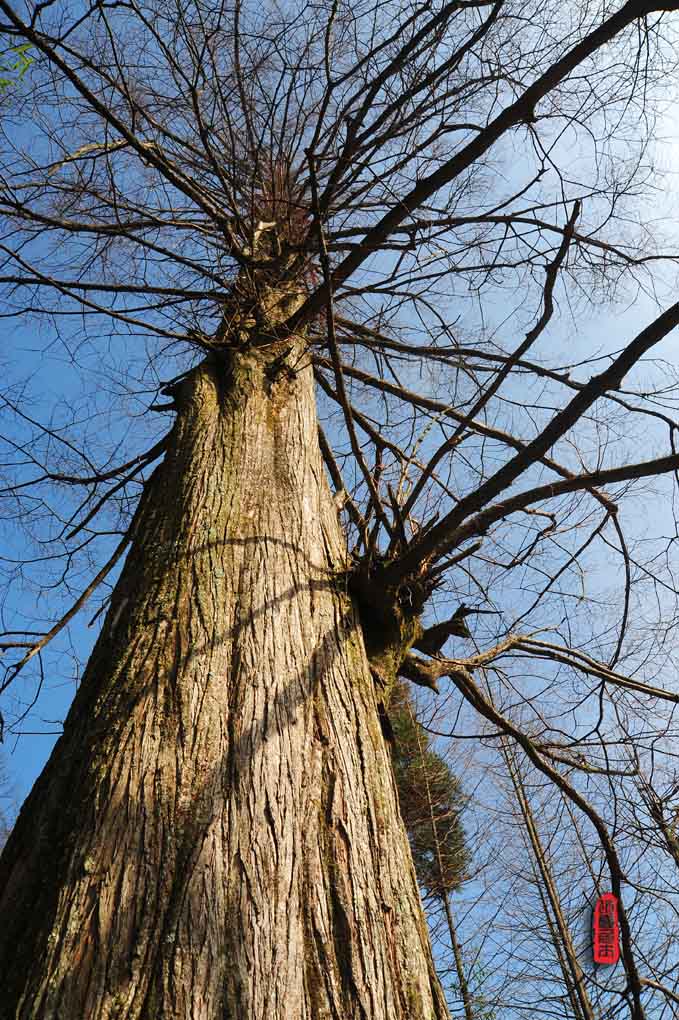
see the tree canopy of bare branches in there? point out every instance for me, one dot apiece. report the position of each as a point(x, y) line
point(328, 276)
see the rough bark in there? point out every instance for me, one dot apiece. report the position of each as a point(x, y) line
point(216, 834)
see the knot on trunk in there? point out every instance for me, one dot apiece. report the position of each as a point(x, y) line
point(389, 615)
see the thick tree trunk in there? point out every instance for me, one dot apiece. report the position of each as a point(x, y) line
point(216, 834)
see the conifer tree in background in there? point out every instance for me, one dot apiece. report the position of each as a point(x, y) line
point(430, 800)
point(298, 231)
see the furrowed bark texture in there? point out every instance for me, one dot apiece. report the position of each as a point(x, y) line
point(216, 834)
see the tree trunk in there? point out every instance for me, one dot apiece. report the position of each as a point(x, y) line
point(216, 833)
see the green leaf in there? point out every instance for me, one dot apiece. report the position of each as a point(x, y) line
point(18, 67)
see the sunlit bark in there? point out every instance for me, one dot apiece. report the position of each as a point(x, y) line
point(217, 833)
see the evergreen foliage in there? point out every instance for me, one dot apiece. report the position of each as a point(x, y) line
point(431, 801)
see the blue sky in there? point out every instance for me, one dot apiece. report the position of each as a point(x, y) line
point(57, 388)
point(56, 383)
